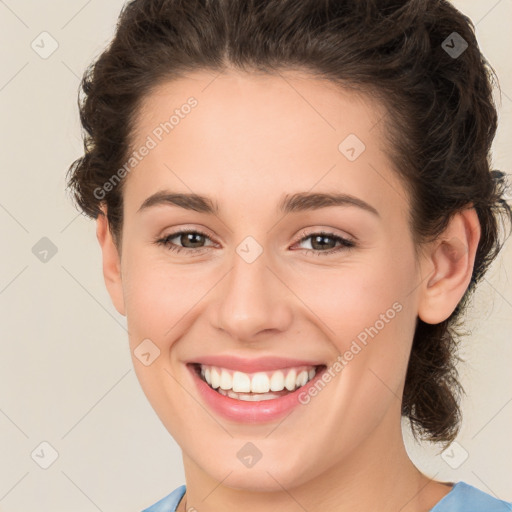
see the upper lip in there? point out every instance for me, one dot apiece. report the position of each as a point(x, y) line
point(251, 365)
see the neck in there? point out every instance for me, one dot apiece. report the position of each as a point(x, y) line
point(376, 475)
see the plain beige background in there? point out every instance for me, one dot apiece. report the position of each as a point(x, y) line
point(66, 377)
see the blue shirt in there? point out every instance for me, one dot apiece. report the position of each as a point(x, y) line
point(462, 498)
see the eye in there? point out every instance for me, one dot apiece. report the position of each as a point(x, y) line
point(318, 240)
point(185, 237)
point(194, 238)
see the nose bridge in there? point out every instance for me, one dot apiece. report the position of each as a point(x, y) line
point(251, 296)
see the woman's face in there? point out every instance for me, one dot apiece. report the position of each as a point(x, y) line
point(256, 289)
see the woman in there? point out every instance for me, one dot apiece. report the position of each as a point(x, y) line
point(294, 204)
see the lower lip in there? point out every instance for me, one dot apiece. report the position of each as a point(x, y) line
point(251, 412)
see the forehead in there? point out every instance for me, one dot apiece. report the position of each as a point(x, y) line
point(257, 133)
point(271, 101)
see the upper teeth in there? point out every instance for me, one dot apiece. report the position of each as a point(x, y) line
point(260, 382)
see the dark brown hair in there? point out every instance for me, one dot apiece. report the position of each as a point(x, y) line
point(440, 122)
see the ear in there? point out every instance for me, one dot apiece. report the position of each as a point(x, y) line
point(111, 262)
point(449, 263)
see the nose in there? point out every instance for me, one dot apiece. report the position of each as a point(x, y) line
point(254, 299)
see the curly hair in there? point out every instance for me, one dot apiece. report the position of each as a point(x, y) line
point(440, 122)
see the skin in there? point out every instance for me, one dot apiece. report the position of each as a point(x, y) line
point(251, 140)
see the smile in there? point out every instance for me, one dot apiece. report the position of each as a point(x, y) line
point(252, 396)
point(256, 386)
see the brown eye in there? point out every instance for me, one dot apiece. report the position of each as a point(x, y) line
point(322, 242)
point(190, 240)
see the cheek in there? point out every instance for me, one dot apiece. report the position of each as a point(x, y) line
point(358, 298)
point(161, 298)
point(367, 312)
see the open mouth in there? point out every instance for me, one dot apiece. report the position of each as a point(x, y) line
point(256, 387)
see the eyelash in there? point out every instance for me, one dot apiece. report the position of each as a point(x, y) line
point(345, 243)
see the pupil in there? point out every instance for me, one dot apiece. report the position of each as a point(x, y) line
point(319, 237)
point(189, 237)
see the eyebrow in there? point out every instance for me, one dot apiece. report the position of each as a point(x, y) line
point(291, 203)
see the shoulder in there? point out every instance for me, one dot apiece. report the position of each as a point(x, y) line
point(466, 498)
point(462, 498)
point(169, 503)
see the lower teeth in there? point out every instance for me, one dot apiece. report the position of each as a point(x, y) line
point(251, 397)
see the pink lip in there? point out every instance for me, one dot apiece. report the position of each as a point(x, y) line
point(253, 365)
point(250, 412)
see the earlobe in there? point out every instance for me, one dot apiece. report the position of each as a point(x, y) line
point(111, 263)
point(451, 260)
